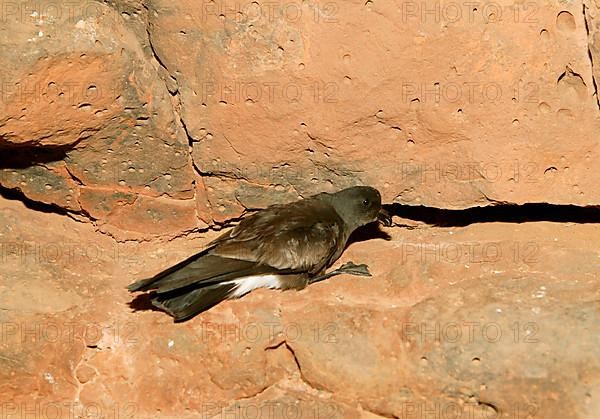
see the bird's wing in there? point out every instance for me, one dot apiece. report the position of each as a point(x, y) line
point(202, 268)
point(304, 236)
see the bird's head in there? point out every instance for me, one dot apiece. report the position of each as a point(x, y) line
point(358, 205)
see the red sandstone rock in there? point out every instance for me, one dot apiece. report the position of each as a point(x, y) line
point(154, 123)
point(88, 111)
point(489, 316)
point(448, 108)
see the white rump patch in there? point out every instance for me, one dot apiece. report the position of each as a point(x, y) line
point(249, 283)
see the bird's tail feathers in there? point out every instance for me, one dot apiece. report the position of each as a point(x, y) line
point(202, 281)
point(148, 283)
point(183, 305)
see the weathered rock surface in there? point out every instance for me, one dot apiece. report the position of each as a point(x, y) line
point(486, 318)
point(152, 124)
point(441, 104)
point(86, 118)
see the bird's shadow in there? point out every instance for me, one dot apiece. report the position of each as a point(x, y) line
point(368, 232)
point(143, 302)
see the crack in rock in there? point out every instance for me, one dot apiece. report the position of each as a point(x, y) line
point(586, 20)
point(314, 386)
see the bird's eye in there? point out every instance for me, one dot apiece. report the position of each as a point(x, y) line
point(366, 202)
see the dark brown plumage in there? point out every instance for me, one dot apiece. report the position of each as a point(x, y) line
point(284, 246)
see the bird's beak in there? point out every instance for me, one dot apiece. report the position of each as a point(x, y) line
point(384, 218)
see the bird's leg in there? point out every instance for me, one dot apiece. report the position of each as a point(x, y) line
point(347, 268)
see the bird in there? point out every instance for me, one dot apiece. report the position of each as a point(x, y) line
point(284, 246)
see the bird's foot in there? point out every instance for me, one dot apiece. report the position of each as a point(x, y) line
point(353, 269)
point(347, 268)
